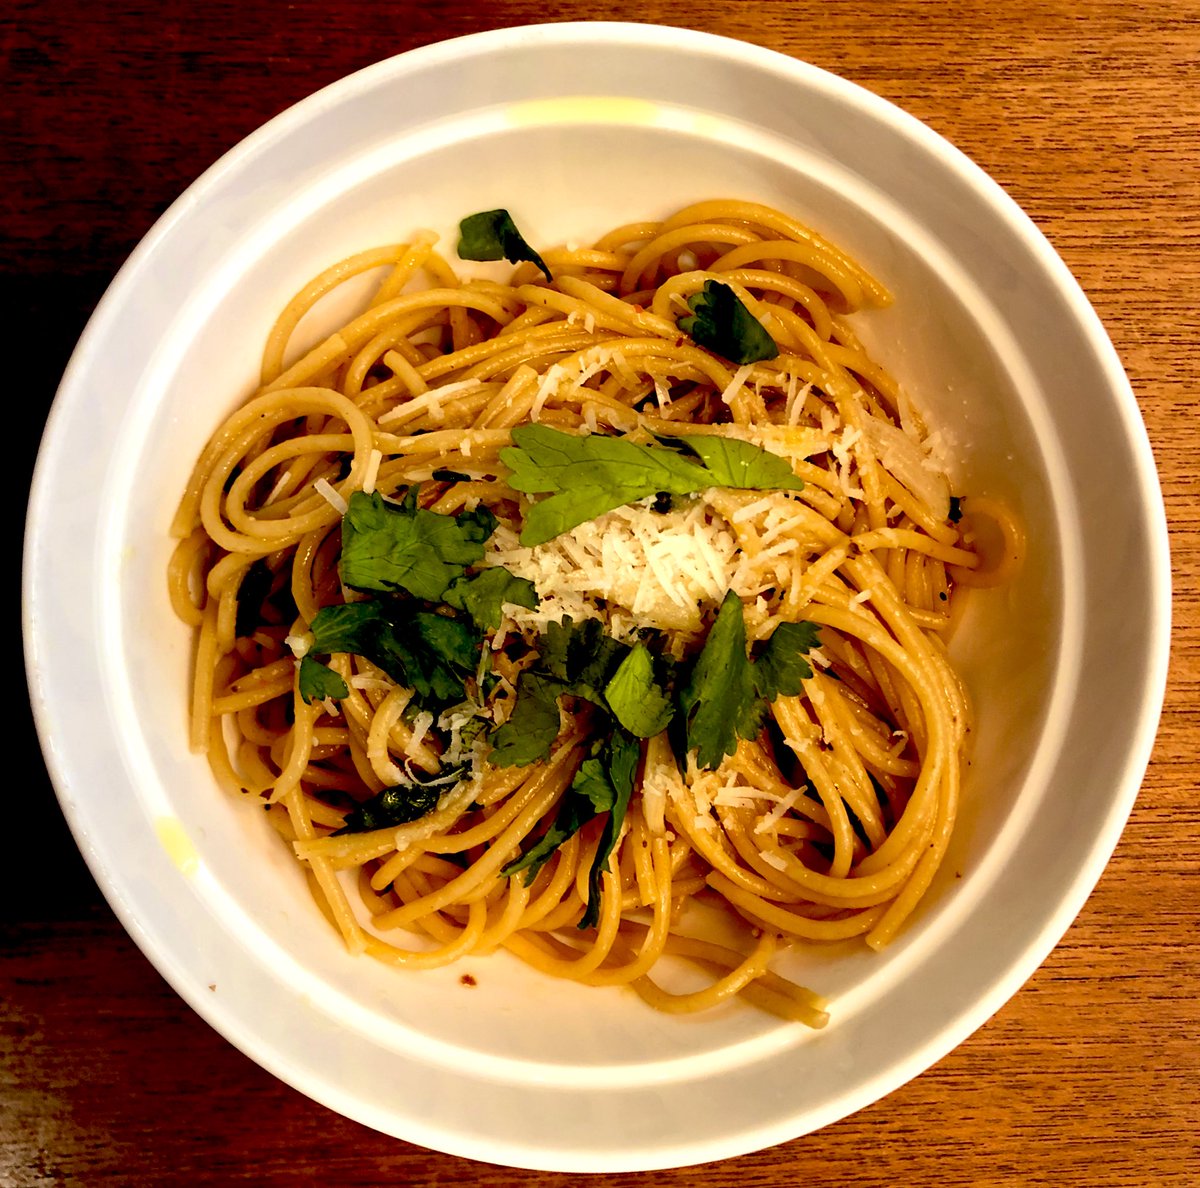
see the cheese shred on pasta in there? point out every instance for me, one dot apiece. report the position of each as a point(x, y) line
point(829, 825)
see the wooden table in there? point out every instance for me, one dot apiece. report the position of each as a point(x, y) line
point(1089, 114)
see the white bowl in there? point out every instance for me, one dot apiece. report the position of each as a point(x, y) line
point(576, 128)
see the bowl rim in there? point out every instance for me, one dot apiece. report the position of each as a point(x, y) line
point(40, 509)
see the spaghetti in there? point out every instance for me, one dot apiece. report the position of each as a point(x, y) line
point(399, 758)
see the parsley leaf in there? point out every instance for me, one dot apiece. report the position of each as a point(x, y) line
point(347, 627)
point(611, 777)
point(726, 693)
point(588, 475)
point(718, 698)
point(425, 651)
point(387, 547)
point(781, 669)
point(575, 658)
point(491, 235)
point(603, 784)
point(582, 656)
point(722, 323)
point(530, 730)
point(397, 805)
point(484, 595)
point(637, 701)
point(318, 681)
point(735, 463)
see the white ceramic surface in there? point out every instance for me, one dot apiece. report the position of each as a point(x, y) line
point(577, 128)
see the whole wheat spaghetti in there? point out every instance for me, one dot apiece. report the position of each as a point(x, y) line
point(498, 690)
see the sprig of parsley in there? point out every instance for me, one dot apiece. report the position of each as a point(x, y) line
point(424, 650)
point(397, 805)
point(484, 595)
point(639, 702)
point(579, 659)
point(725, 694)
point(492, 235)
point(318, 681)
point(603, 784)
point(721, 322)
point(588, 475)
point(388, 547)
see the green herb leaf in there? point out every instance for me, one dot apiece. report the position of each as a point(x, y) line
point(718, 699)
point(530, 730)
point(318, 681)
point(439, 652)
point(612, 781)
point(574, 812)
point(428, 652)
point(398, 805)
point(484, 596)
point(735, 463)
point(387, 547)
point(726, 693)
point(588, 475)
point(492, 235)
point(635, 697)
point(722, 323)
point(582, 656)
point(603, 784)
point(781, 670)
point(348, 627)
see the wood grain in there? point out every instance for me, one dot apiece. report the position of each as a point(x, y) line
point(1089, 114)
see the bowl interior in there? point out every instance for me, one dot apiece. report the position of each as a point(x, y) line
point(987, 333)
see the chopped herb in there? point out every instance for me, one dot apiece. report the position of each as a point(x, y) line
point(582, 656)
point(398, 805)
point(317, 681)
point(740, 464)
point(580, 660)
point(613, 775)
point(781, 669)
point(426, 651)
point(530, 730)
point(636, 699)
point(484, 595)
point(603, 784)
point(724, 697)
point(347, 627)
point(588, 475)
point(955, 513)
point(450, 476)
point(718, 699)
point(492, 235)
point(722, 323)
point(386, 547)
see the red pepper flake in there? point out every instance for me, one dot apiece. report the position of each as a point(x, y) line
point(468, 980)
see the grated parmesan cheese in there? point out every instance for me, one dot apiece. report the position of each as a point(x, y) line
point(664, 569)
point(326, 491)
point(420, 728)
point(735, 385)
point(299, 644)
point(771, 819)
point(374, 460)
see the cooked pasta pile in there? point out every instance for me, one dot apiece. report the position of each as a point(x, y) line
point(595, 614)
